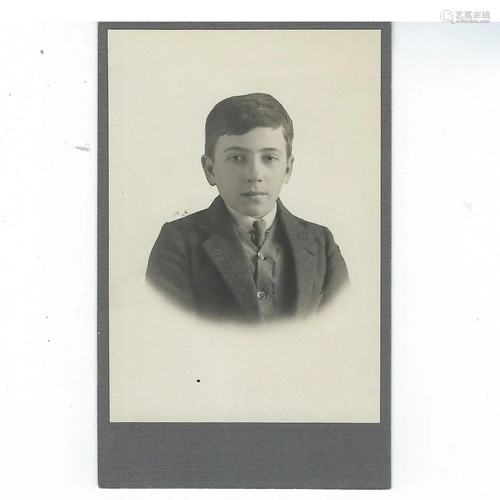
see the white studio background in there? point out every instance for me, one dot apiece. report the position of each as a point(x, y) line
point(445, 288)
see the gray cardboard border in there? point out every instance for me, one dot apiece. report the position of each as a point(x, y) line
point(243, 455)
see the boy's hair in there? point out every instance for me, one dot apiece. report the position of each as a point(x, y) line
point(238, 115)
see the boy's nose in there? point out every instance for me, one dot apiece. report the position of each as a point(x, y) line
point(254, 170)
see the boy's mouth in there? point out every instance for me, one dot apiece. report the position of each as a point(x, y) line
point(253, 193)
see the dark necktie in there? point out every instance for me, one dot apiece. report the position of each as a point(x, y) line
point(260, 232)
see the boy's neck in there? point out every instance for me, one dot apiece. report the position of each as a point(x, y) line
point(244, 222)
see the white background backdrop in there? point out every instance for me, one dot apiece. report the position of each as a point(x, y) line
point(446, 326)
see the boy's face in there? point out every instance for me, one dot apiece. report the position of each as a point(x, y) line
point(250, 169)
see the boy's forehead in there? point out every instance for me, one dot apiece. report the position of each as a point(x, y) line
point(257, 138)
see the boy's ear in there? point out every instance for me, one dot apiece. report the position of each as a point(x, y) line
point(289, 168)
point(208, 168)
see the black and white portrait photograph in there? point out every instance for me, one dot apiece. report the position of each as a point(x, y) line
point(249, 249)
point(244, 225)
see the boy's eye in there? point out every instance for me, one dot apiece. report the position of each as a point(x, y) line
point(236, 158)
point(270, 158)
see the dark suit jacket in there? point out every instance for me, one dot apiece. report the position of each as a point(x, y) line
point(199, 262)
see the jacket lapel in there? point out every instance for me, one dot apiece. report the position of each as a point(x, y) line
point(224, 248)
point(304, 251)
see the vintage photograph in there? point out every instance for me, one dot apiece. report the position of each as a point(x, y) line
point(244, 225)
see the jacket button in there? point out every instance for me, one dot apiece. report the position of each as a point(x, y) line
point(260, 256)
point(261, 295)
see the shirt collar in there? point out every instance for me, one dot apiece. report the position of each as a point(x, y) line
point(244, 222)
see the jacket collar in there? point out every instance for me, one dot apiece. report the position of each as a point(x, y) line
point(304, 250)
point(225, 250)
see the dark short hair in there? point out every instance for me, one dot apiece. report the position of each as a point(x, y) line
point(239, 114)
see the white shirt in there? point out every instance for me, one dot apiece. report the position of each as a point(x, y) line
point(244, 222)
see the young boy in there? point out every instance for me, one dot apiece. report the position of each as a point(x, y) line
point(247, 258)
